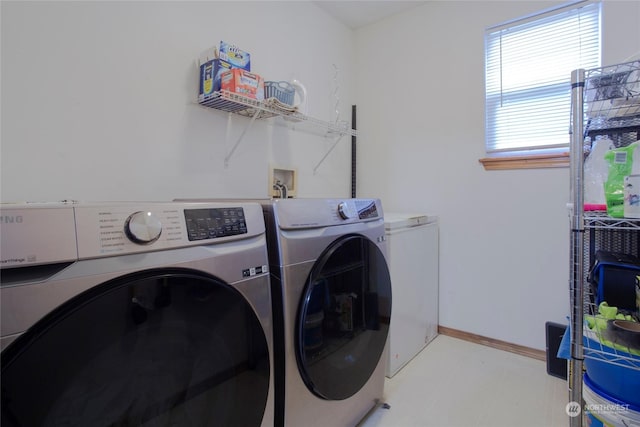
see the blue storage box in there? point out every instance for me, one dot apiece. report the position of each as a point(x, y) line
point(613, 279)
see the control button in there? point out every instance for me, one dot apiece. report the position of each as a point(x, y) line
point(143, 227)
point(344, 210)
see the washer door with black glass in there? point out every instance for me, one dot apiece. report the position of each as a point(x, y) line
point(168, 347)
point(343, 318)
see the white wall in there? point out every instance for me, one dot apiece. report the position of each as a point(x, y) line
point(98, 99)
point(504, 234)
point(98, 104)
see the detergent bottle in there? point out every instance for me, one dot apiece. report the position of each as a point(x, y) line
point(623, 161)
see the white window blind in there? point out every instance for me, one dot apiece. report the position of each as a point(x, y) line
point(528, 77)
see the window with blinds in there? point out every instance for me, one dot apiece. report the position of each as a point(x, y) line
point(528, 77)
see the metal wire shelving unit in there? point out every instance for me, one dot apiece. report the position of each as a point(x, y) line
point(604, 102)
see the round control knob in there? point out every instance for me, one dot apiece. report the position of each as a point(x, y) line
point(344, 211)
point(143, 228)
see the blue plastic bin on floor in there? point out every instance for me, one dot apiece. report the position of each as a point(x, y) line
point(615, 372)
point(604, 410)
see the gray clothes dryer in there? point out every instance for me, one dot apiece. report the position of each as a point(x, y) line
point(332, 287)
point(154, 314)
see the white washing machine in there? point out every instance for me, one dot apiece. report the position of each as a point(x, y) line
point(154, 314)
point(412, 241)
point(328, 261)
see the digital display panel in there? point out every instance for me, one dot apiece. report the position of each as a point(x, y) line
point(210, 223)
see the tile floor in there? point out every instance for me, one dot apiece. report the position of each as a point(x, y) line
point(456, 383)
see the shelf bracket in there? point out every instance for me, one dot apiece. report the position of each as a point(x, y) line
point(315, 169)
point(253, 119)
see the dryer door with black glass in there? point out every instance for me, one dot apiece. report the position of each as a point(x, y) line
point(164, 347)
point(343, 318)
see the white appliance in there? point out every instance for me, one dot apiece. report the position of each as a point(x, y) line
point(412, 242)
point(148, 314)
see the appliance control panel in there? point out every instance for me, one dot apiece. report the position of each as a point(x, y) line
point(312, 213)
point(131, 228)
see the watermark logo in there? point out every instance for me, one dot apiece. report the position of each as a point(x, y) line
point(573, 409)
point(606, 408)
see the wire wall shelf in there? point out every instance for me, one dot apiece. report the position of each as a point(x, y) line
point(263, 109)
point(232, 102)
